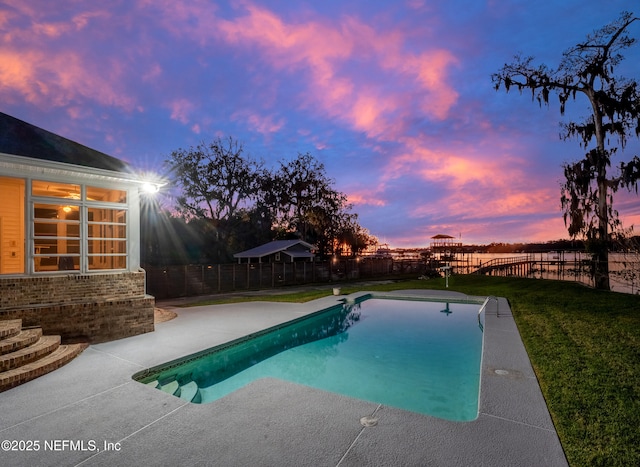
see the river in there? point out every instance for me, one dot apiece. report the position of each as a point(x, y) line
point(624, 268)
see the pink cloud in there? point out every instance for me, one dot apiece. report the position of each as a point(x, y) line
point(263, 124)
point(323, 51)
point(368, 197)
point(457, 165)
point(153, 72)
point(483, 231)
point(83, 19)
point(38, 65)
point(180, 110)
point(43, 78)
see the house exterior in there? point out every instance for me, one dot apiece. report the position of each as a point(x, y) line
point(69, 237)
point(278, 251)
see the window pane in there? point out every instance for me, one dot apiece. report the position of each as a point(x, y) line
point(107, 247)
point(107, 231)
point(107, 215)
point(106, 194)
point(56, 263)
point(56, 229)
point(56, 211)
point(12, 226)
point(55, 189)
point(51, 246)
point(107, 262)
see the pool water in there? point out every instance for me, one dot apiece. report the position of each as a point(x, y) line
point(422, 356)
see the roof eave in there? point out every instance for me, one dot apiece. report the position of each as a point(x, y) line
point(32, 166)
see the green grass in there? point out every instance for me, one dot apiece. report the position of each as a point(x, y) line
point(292, 297)
point(584, 345)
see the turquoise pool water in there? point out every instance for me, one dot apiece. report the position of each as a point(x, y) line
point(422, 356)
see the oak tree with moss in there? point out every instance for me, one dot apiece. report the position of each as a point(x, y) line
point(588, 71)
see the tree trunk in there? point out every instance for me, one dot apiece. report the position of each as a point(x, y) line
point(601, 269)
point(601, 257)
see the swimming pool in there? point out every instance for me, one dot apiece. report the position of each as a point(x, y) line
point(422, 356)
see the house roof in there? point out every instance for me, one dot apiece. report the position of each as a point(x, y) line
point(23, 139)
point(275, 247)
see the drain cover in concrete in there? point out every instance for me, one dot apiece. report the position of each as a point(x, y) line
point(368, 421)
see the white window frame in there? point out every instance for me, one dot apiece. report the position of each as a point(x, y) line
point(84, 205)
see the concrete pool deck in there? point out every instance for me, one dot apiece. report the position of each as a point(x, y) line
point(90, 412)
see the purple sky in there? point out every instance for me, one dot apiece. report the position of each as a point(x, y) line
point(394, 97)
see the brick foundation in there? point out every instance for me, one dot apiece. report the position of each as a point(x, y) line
point(92, 307)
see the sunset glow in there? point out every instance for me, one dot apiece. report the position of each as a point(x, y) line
point(393, 97)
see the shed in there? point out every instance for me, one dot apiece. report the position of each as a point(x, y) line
point(278, 251)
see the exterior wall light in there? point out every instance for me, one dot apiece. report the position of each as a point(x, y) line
point(150, 188)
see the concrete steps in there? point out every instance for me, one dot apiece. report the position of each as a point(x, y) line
point(27, 354)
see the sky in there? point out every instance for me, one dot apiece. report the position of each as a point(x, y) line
point(394, 97)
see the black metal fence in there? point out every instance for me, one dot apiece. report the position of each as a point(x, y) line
point(190, 280)
point(185, 281)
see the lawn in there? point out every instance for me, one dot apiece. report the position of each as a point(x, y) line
point(584, 346)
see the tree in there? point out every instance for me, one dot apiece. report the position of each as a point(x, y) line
point(304, 204)
point(353, 237)
point(216, 181)
point(588, 70)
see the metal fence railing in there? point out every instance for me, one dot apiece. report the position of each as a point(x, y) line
point(189, 280)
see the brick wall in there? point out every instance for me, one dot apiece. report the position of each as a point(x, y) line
point(92, 307)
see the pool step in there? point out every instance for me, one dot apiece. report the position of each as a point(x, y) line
point(170, 387)
point(184, 389)
point(26, 354)
point(188, 391)
point(154, 384)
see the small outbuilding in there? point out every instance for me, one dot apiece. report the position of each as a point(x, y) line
point(278, 251)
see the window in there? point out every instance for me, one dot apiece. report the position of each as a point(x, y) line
point(107, 238)
point(57, 226)
point(56, 237)
point(77, 227)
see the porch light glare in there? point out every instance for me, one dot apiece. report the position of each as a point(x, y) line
point(150, 188)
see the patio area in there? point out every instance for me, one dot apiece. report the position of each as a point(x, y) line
point(90, 412)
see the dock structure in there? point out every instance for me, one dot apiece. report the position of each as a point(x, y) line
point(445, 246)
point(528, 266)
point(515, 266)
